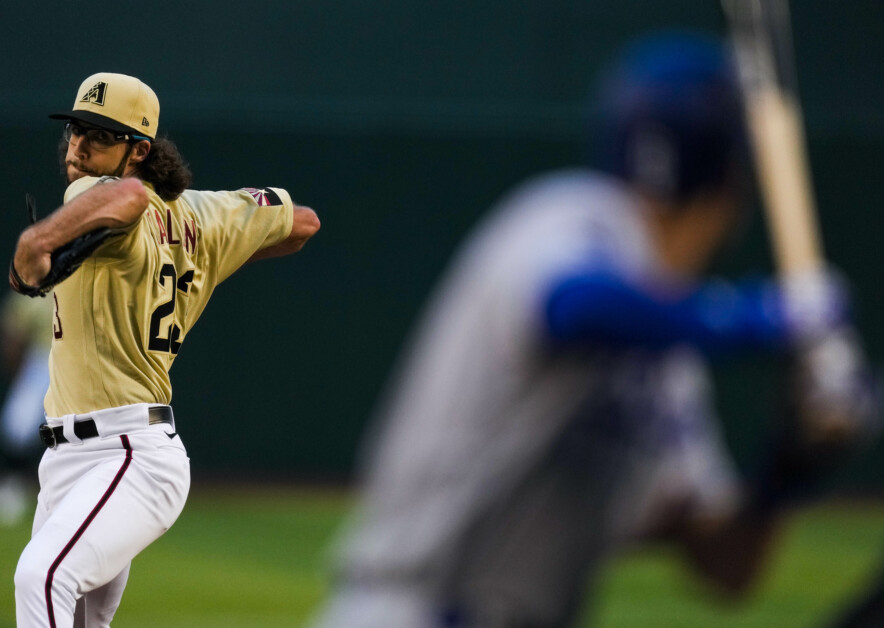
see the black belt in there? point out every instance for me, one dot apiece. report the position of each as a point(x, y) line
point(53, 436)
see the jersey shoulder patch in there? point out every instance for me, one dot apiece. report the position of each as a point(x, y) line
point(264, 196)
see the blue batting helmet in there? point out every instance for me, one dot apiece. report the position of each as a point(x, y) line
point(670, 116)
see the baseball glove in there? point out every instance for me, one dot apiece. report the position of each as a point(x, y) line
point(64, 260)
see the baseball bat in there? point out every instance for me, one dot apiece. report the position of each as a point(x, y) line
point(837, 411)
point(761, 35)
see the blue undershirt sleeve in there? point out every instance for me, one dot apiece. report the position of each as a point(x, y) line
point(599, 308)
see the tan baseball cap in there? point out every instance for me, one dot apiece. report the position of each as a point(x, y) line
point(116, 102)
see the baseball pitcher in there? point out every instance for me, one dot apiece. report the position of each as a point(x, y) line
point(129, 261)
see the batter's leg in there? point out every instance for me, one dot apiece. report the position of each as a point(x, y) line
point(526, 563)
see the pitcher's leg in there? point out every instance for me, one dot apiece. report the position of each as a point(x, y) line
point(65, 557)
point(96, 609)
point(113, 512)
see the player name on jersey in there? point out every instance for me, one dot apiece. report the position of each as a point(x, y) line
point(166, 231)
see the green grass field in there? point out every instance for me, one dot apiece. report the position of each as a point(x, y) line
point(255, 557)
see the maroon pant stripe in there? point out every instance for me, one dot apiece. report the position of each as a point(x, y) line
point(82, 528)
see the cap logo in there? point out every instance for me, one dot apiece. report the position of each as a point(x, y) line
point(144, 122)
point(95, 94)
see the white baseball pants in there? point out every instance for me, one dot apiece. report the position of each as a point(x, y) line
point(102, 500)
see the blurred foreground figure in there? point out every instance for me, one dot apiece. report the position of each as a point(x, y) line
point(555, 401)
point(25, 335)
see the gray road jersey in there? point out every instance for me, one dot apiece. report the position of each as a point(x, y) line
point(478, 401)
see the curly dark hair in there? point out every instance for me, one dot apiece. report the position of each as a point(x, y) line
point(164, 168)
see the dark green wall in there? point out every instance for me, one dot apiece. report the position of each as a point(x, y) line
point(399, 122)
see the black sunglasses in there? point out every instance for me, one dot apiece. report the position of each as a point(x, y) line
point(98, 137)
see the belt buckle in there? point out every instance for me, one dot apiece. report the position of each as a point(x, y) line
point(48, 436)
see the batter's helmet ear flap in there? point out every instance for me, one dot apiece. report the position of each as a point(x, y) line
point(651, 158)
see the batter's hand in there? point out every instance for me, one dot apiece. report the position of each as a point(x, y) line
point(831, 412)
point(814, 303)
point(837, 393)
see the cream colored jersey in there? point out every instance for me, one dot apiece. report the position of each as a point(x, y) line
point(121, 317)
